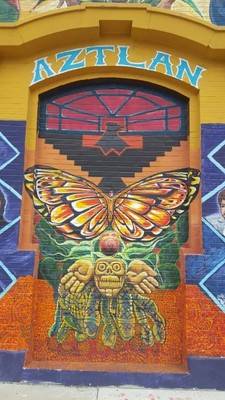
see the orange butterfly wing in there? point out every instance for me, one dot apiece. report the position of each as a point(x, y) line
point(79, 209)
point(143, 210)
point(71, 204)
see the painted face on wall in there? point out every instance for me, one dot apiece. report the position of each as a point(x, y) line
point(109, 275)
point(222, 208)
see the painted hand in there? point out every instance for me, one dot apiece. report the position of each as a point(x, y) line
point(79, 274)
point(142, 277)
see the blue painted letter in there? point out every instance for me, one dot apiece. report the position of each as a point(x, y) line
point(100, 53)
point(42, 70)
point(192, 76)
point(69, 63)
point(164, 59)
point(123, 59)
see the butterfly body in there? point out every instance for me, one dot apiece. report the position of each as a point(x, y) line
point(78, 208)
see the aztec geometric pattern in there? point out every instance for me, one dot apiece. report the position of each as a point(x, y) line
point(104, 128)
point(13, 263)
point(208, 271)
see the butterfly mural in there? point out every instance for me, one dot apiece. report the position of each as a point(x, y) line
point(79, 209)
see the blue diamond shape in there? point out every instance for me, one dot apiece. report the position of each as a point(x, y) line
point(8, 152)
point(217, 155)
point(17, 218)
point(7, 279)
point(213, 229)
point(213, 285)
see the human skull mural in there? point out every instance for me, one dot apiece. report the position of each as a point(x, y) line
point(105, 294)
point(106, 291)
point(109, 275)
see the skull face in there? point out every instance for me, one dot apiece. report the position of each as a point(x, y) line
point(109, 275)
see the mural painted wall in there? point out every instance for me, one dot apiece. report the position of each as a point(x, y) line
point(211, 10)
point(14, 264)
point(213, 212)
point(112, 205)
point(106, 247)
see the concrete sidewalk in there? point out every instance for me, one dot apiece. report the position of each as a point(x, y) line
point(14, 391)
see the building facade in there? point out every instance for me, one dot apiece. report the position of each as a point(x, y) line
point(112, 193)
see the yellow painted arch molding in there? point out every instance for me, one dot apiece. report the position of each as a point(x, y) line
point(73, 25)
